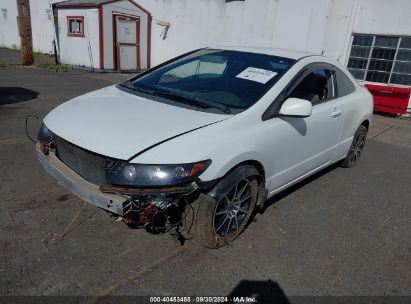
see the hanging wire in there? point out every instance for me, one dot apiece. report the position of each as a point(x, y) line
point(27, 131)
point(54, 237)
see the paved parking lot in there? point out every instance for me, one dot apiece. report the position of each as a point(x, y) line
point(342, 232)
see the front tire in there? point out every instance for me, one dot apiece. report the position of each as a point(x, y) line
point(357, 146)
point(217, 222)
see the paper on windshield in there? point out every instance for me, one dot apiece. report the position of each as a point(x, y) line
point(255, 74)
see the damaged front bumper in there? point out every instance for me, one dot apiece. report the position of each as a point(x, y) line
point(81, 188)
point(122, 201)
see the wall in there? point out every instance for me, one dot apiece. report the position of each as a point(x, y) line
point(291, 24)
point(391, 17)
point(42, 26)
point(320, 26)
point(80, 51)
point(9, 36)
point(340, 20)
point(312, 25)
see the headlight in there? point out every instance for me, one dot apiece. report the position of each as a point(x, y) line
point(127, 174)
point(45, 135)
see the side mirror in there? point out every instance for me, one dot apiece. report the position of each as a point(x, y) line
point(296, 107)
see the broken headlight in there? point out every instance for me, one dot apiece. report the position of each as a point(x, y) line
point(44, 137)
point(128, 174)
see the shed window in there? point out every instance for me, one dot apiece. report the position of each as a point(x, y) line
point(75, 26)
point(377, 58)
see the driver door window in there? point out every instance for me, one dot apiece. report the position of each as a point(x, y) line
point(316, 87)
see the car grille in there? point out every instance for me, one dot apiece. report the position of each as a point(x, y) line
point(90, 166)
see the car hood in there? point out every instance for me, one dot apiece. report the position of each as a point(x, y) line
point(117, 124)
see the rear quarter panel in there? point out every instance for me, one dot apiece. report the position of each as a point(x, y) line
point(358, 107)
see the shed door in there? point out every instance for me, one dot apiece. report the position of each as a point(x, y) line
point(127, 42)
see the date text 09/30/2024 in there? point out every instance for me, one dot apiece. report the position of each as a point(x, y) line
point(197, 299)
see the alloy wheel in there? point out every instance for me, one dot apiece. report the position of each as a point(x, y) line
point(232, 210)
point(357, 147)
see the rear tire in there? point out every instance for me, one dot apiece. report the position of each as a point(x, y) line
point(357, 146)
point(216, 223)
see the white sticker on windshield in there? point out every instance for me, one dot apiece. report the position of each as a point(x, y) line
point(254, 74)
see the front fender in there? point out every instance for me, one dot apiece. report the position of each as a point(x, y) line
point(241, 172)
point(227, 143)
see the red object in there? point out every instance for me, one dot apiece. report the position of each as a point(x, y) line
point(100, 36)
point(128, 219)
point(150, 19)
point(81, 34)
point(390, 99)
point(147, 214)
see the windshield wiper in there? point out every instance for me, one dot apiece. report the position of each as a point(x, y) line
point(193, 101)
point(129, 85)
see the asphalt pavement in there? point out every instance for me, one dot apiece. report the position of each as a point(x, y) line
point(343, 232)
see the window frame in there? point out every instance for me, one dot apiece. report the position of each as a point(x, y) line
point(307, 70)
point(81, 34)
point(369, 58)
point(311, 70)
point(274, 108)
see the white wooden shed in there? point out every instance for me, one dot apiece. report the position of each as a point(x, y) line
point(104, 35)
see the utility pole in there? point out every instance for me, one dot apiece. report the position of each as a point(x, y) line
point(24, 26)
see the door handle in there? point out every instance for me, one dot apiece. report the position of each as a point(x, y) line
point(336, 113)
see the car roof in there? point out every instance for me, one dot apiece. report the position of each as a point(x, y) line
point(287, 53)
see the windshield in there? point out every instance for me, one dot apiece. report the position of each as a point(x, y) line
point(215, 78)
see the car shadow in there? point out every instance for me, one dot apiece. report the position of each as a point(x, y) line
point(10, 95)
point(271, 201)
point(258, 292)
point(297, 123)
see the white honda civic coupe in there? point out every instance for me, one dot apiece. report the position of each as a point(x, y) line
point(200, 142)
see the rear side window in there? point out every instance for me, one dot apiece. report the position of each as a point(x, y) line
point(316, 87)
point(344, 84)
